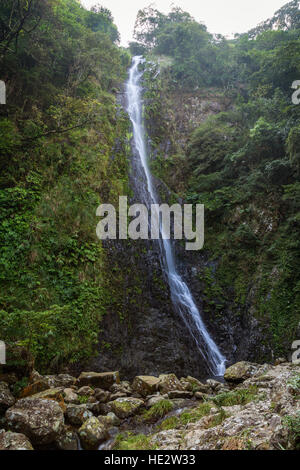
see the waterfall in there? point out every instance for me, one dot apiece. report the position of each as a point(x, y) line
point(180, 293)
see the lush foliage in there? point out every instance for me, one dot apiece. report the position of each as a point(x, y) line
point(62, 68)
point(242, 161)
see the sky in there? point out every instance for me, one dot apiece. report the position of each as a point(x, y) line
point(220, 16)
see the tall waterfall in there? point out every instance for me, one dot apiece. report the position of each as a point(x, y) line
point(181, 295)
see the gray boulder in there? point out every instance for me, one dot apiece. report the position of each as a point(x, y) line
point(41, 420)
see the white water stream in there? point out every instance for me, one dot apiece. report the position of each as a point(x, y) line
point(181, 295)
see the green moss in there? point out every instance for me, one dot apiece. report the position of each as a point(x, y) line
point(130, 441)
point(195, 414)
point(171, 422)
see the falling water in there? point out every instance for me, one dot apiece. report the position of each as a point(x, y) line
point(180, 293)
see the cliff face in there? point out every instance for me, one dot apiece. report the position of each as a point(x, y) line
point(141, 332)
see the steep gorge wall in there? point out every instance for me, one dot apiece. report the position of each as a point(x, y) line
point(171, 118)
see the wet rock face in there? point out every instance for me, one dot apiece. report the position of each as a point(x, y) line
point(240, 337)
point(39, 419)
point(149, 338)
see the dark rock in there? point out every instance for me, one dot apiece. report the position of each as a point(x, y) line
point(102, 380)
point(6, 398)
point(77, 414)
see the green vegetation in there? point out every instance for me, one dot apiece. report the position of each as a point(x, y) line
point(224, 133)
point(294, 383)
point(130, 441)
point(293, 425)
point(57, 136)
point(195, 414)
point(236, 397)
point(159, 410)
point(172, 422)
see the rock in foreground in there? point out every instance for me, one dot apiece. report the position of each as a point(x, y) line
point(92, 433)
point(39, 419)
point(240, 371)
point(14, 441)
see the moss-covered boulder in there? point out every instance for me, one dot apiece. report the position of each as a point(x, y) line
point(240, 371)
point(40, 420)
point(145, 384)
point(169, 382)
point(92, 433)
point(51, 394)
point(125, 407)
point(196, 385)
point(102, 380)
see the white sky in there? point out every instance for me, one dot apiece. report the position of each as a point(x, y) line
point(220, 16)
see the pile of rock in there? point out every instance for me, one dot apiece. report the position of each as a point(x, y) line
point(67, 413)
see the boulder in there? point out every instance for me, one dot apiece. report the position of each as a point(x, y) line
point(168, 382)
point(60, 380)
point(104, 408)
point(92, 433)
point(102, 395)
point(86, 391)
point(186, 385)
point(68, 440)
point(38, 386)
point(40, 420)
point(145, 385)
point(214, 384)
point(125, 407)
point(51, 394)
point(78, 414)
point(102, 380)
point(110, 420)
point(240, 371)
point(6, 398)
point(14, 441)
point(70, 396)
point(121, 388)
point(197, 385)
